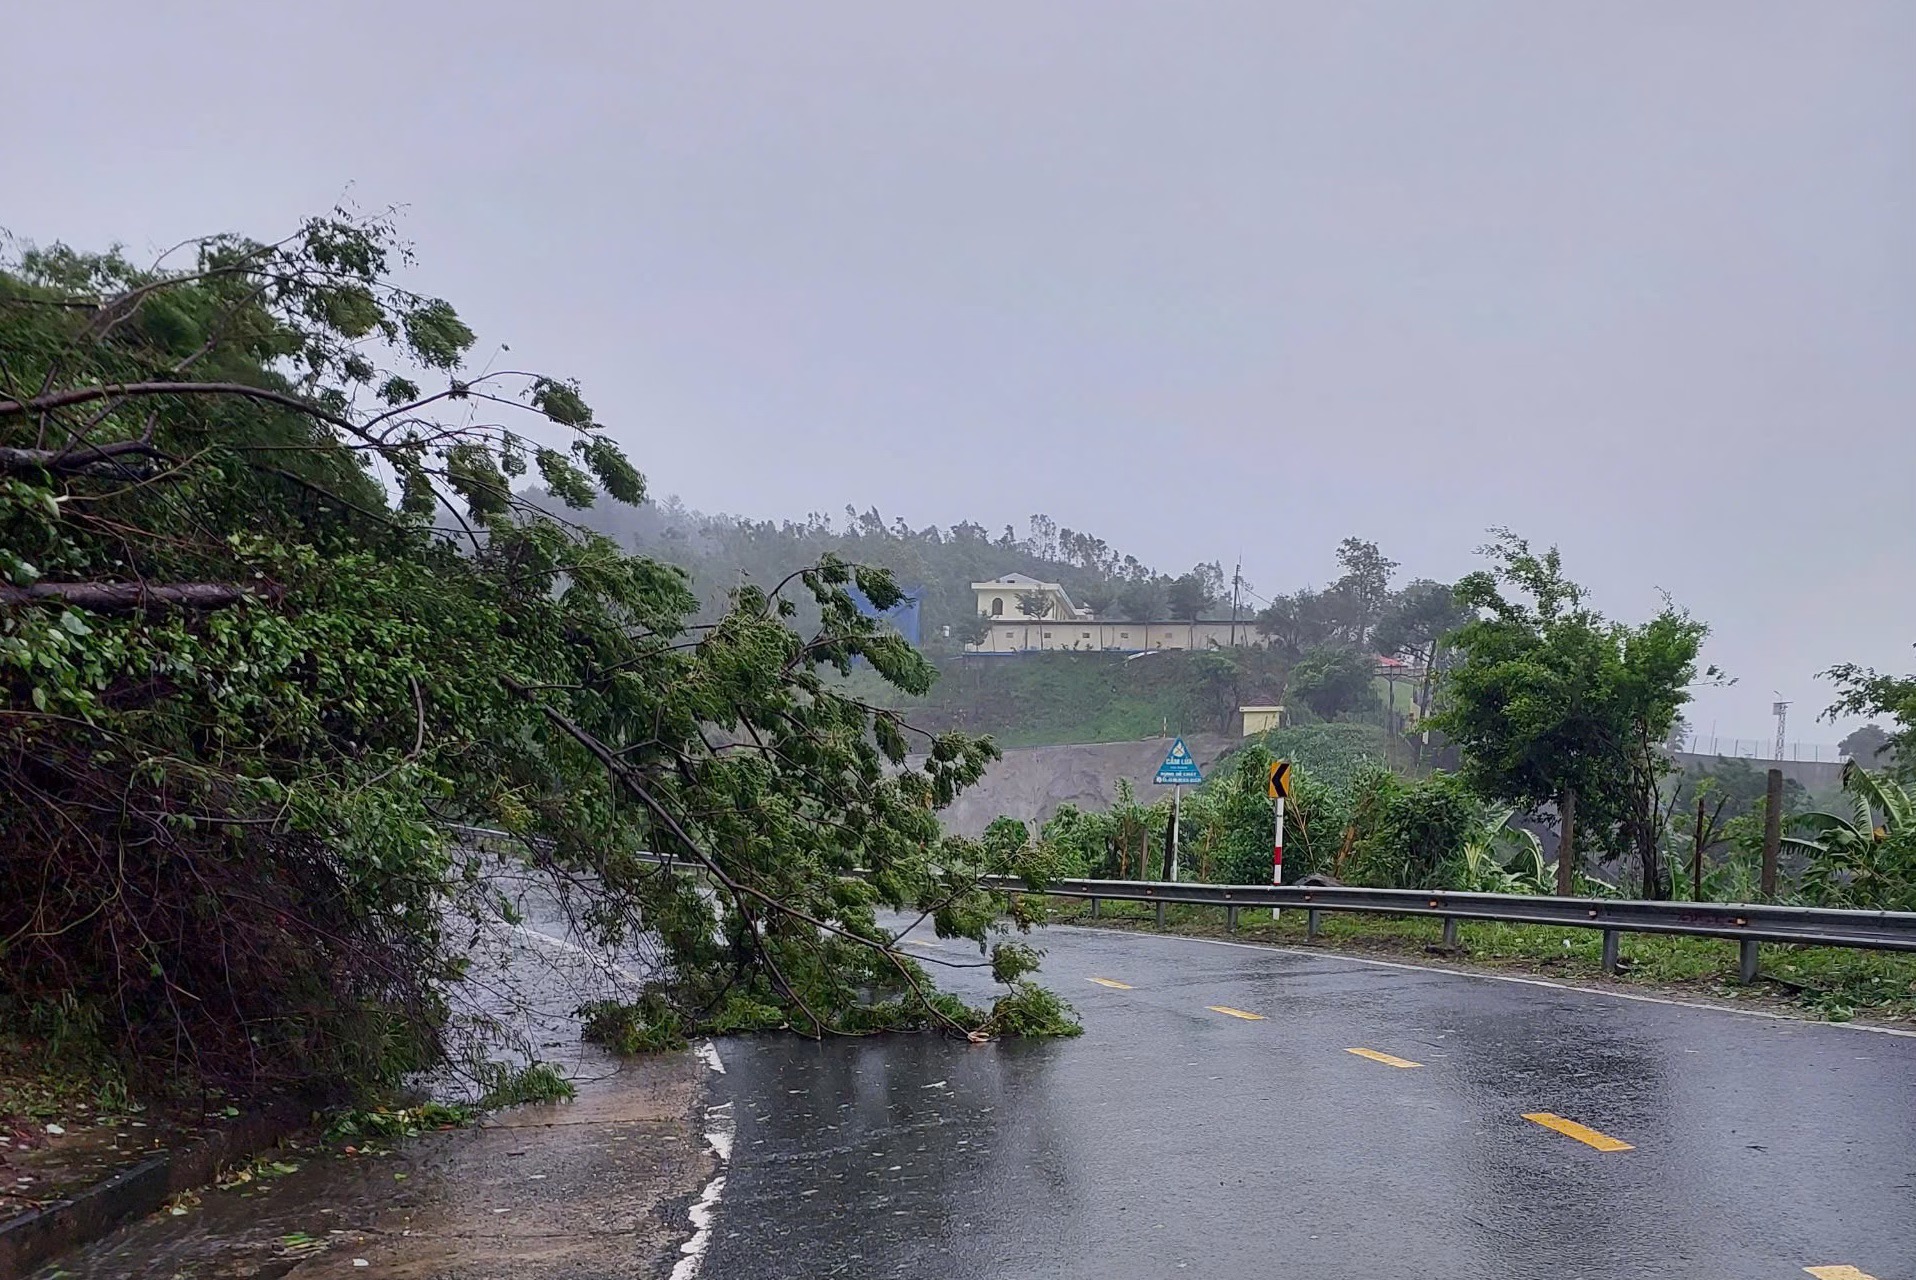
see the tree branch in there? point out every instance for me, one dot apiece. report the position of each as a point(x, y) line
point(66, 462)
point(622, 773)
point(126, 597)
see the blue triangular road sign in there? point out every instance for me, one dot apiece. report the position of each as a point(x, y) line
point(1178, 768)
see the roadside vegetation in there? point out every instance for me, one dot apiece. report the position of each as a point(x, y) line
point(1834, 984)
point(1558, 721)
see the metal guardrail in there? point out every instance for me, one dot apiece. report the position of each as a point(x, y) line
point(1744, 923)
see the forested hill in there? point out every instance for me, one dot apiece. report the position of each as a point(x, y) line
point(720, 551)
point(1331, 636)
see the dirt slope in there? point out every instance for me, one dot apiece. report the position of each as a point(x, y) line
point(1031, 782)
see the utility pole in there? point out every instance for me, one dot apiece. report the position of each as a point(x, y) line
point(1772, 832)
point(1696, 856)
point(1237, 576)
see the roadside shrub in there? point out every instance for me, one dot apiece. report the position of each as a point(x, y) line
point(1229, 822)
point(1412, 835)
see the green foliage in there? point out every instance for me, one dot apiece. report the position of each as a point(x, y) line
point(1029, 1011)
point(1227, 822)
point(1550, 699)
point(1417, 626)
point(393, 1123)
point(1863, 691)
point(1334, 682)
point(648, 1025)
point(1740, 785)
point(1011, 961)
point(1364, 586)
point(508, 1086)
point(1042, 698)
point(720, 551)
point(1190, 595)
point(1124, 842)
point(1869, 746)
point(1302, 621)
point(1344, 614)
point(1143, 600)
point(1501, 858)
point(1333, 754)
point(1348, 817)
point(1867, 858)
point(247, 686)
point(1079, 843)
point(1413, 835)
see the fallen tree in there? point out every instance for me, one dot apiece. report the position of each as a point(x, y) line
point(272, 617)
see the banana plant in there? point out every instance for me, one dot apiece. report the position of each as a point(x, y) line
point(1500, 858)
point(1852, 859)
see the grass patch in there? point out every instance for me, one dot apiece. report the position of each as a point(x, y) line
point(1038, 699)
point(1831, 983)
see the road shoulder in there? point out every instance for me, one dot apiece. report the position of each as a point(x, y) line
point(598, 1186)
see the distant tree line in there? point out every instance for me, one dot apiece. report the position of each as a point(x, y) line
point(1332, 635)
point(722, 552)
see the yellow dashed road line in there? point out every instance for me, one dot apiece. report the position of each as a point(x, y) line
point(1113, 983)
point(1235, 1013)
point(1388, 1060)
point(1582, 1133)
point(920, 942)
point(1844, 1272)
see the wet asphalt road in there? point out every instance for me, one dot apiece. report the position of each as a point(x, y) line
point(1176, 1140)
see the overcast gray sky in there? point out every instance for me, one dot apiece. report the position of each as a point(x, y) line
point(1206, 278)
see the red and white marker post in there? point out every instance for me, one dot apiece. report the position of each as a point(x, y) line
point(1279, 787)
point(1277, 850)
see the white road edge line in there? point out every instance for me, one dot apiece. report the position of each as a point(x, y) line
point(719, 1137)
point(598, 958)
point(1502, 977)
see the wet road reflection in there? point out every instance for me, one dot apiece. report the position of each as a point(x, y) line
point(1172, 1141)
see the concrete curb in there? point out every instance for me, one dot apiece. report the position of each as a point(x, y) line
point(38, 1237)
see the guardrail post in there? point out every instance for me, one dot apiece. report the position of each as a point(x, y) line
point(1450, 931)
point(1310, 924)
point(1746, 961)
point(1160, 913)
point(1610, 937)
point(1094, 908)
point(1230, 919)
